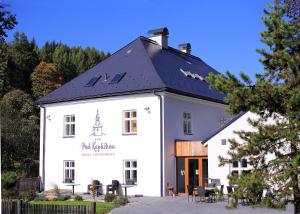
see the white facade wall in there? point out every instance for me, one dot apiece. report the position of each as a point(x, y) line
point(143, 147)
point(205, 117)
point(216, 149)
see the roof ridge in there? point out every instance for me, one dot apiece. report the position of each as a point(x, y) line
point(150, 59)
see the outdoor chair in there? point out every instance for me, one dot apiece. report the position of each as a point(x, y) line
point(114, 186)
point(235, 188)
point(200, 194)
point(211, 185)
point(216, 182)
point(68, 180)
point(190, 192)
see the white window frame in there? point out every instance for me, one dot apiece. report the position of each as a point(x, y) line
point(240, 169)
point(130, 119)
point(187, 123)
point(131, 169)
point(68, 125)
point(69, 169)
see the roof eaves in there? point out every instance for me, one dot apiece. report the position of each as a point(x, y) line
point(102, 96)
point(225, 126)
point(195, 96)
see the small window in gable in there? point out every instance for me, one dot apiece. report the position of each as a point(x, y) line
point(223, 142)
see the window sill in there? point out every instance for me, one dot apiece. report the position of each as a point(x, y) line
point(129, 134)
point(188, 133)
point(69, 136)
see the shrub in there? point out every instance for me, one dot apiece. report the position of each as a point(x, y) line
point(250, 187)
point(78, 198)
point(121, 201)
point(62, 198)
point(109, 198)
point(270, 202)
point(27, 196)
point(40, 198)
point(8, 179)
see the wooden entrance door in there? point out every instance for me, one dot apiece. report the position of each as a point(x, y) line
point(191, 171)
point(191, 164)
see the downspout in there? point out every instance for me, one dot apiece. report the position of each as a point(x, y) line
point(161, 143)
point(44, 142)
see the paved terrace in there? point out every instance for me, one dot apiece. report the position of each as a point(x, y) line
point(180, 204)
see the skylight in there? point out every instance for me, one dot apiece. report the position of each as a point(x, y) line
point(117, 78)
point(93, 81)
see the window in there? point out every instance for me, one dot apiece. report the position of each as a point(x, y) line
point(69, 171)
point(235, 173)
point(69, 125)
point(245, 172)
point(130, 122)
point(223, 142)
point(92, 81)
point(130, 170)
point(244, 163)
point(117, 78)
point(235, 164)
point(187, 123)
point(240, 167)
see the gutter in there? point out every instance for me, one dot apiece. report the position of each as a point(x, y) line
point(161, 143)
point(44, 142)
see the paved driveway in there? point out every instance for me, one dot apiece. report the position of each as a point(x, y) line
point(179, 204)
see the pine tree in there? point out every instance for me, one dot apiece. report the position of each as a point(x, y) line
point(7, 21)
point(275, 94)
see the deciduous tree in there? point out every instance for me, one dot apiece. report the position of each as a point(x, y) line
point(45, 79)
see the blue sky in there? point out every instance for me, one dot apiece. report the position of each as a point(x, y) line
point(225, 34)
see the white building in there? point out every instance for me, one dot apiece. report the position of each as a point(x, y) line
point(140, 115)
point(218, 145)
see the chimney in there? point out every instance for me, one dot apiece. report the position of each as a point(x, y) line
point(185, 48)
point(160, 36)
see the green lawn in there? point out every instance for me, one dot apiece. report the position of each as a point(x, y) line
point(101, 207)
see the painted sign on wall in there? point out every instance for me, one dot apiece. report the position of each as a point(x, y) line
point(97, 145)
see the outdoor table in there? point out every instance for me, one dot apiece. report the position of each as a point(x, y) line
point(125, 186)
point(72, 185)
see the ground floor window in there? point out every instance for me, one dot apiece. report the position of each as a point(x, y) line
point(240, 168)
point(69, 171)
point(130, 171)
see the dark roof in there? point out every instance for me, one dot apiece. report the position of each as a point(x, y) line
point(225, 126)
point(148, 67)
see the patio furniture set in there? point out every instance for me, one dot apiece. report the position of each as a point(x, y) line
point(112, 188)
